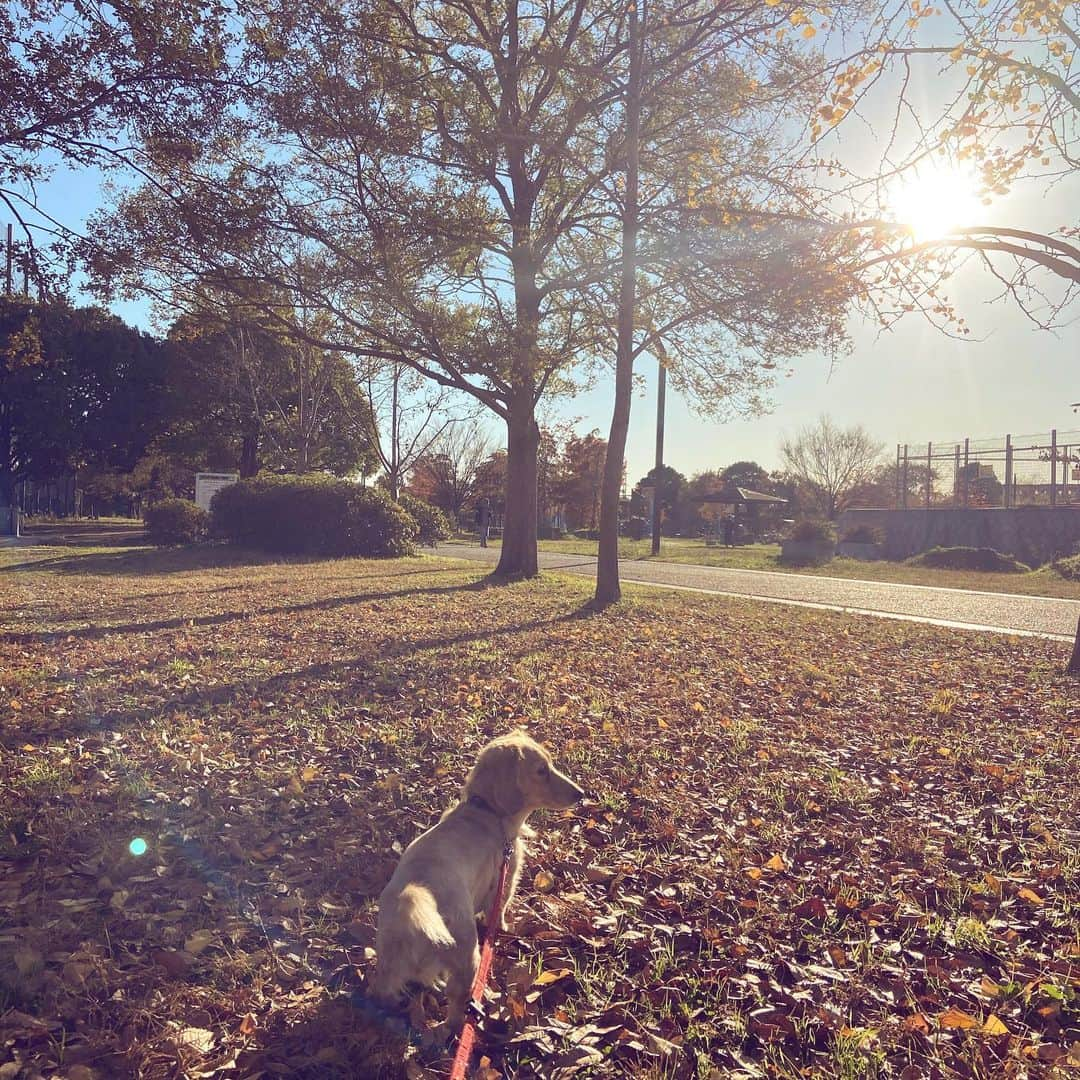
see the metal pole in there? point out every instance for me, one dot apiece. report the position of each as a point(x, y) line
point(661, 394)
point(967, 474)
point(1053, 467)
point(896, 493)
point(929, 472)
point(904, 488)
point(956, 476)
point(1009, 493)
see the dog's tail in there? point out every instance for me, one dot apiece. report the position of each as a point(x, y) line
point(418, 908)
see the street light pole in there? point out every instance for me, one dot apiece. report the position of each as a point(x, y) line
point(661, 394)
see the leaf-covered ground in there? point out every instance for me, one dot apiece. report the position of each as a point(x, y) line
point(815, 846)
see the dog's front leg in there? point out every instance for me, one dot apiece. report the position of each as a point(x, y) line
point(512, 877)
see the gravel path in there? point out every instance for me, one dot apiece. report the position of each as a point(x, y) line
point(1000, 612)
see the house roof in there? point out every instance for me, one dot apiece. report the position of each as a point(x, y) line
point(732, 495)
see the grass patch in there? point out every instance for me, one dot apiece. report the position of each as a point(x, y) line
point(815, 845)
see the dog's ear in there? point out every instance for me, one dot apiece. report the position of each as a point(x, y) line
point(496, 778)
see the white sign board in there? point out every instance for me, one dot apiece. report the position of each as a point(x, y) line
point(207, 483)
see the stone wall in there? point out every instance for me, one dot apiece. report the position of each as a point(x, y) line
point(1032, 534)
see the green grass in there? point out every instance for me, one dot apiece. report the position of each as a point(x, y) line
point(1042, 582)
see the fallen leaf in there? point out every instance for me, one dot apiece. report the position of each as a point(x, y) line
point(199, 941)
point(954, 1018)
point(543, 882)
point(195, 1038)
point(553, 975)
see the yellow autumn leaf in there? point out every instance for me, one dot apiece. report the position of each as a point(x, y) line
point(776, 863)
point(543, 882)
point(1030, 896)
point(993, 1026)
point(809, 32)
point(954, 1018)
point(546, 978)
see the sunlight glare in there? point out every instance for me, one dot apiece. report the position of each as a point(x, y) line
point(935, 201)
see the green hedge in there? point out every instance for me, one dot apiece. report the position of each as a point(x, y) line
point(864, 534)
point(432, 524)
point(175, 521)
point(312, 515)
point(969, 558)
point(814, 531)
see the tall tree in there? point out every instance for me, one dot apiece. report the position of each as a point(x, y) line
point(410, 415)
point(831, 461)
point(77, 386)
point(581, 480)
point(293, 404)
point(748, 474)
point(457, 180)
point(669, 490)
point(94, 85)
point(446, 475)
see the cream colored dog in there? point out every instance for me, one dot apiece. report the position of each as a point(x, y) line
point(448, 875)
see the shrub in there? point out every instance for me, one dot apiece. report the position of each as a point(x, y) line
point(1068, 567)
point(864, 534)
point(814, 531)
point(175, 521)
point(312, 515)
point(587, 534)
point(969, 558)
point(432, 524)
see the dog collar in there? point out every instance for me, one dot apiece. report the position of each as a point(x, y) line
point(482, 804)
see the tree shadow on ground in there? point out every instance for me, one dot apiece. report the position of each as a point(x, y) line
point(145, 562)
point(94, 633)
point(342, 1037)
point(355, 668)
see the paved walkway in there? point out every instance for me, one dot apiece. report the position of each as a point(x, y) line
point(1006, 613)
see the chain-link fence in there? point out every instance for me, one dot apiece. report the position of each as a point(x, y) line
point(1011, 470)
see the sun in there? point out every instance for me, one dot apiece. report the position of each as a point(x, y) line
point(932, 201)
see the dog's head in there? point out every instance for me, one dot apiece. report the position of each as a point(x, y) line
point(514, 774)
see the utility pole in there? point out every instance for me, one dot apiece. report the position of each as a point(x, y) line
point(661, 395)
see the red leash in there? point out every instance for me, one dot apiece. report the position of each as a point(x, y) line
point(468, 1030)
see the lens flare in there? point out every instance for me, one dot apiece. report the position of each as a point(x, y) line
point(137, 846)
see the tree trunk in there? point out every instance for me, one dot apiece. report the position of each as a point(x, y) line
point(518, 556)
point(607, 563)
point(1074, 661)
point(249, 455)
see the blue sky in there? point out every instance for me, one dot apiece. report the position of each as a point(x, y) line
point(910, 384)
